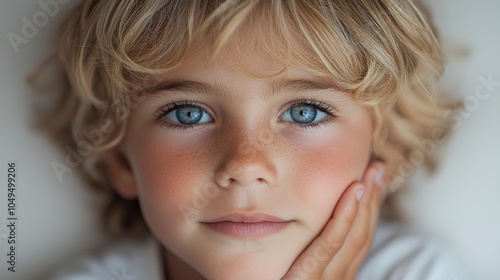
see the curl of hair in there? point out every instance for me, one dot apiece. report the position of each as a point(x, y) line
point(383, 52)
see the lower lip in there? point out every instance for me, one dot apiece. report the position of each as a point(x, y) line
point(247, 230)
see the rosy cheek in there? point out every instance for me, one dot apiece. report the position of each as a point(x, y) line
point(325, 174)
point(165, 171)
point(325, 165)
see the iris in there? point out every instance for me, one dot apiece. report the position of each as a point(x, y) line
point(189, 114)
point(303, 113)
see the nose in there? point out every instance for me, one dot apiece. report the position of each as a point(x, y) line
point(246, 160)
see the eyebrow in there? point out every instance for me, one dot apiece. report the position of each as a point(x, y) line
point(196, 87)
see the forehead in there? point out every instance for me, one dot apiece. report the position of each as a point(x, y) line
point(198, 72)
point(257, 49)
point(257, 56)
point(200, 75)
point(254, 60)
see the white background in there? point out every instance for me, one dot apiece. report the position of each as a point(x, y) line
point(459, 205)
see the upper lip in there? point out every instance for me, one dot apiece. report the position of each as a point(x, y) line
point(247, 218)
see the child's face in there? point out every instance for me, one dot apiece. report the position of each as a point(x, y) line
point(246, 153)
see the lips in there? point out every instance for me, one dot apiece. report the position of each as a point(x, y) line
point(247, 218)
point(254, 225)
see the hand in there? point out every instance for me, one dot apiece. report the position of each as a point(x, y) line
point(340, 249)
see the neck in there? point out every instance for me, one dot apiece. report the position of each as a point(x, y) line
point(176, 269)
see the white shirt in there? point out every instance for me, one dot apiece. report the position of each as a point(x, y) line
point(396, 254)
point(399, 254)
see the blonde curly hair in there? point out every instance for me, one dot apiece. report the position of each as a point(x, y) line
point(383, 52)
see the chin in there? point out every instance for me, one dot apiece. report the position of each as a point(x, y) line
point(247, 268)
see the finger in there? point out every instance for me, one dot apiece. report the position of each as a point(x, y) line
point(358, 239)
point(313, 261)
point(374, 174)
point(369, 207)
point(375, 184)
point(379, 192)
point(374, 200)
point(379, 179)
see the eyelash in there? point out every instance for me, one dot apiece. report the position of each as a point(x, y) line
point(321, 106)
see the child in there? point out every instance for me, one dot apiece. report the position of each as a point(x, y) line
point(252, 139)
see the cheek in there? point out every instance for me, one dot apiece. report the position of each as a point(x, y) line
point(323, 169)
point(161, 171)
point(166, 175)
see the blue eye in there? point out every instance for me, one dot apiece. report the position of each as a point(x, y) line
point(307, 113)
point(184, 114)
point(187, 114)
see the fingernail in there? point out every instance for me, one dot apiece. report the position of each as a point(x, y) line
point(359, 194)
point(380, 181)
point(379, 177)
